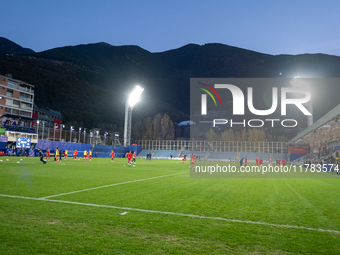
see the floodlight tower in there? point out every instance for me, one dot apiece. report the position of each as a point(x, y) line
point(130, 103)
point(61, 130)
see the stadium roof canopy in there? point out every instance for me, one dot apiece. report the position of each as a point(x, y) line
point(186, 123)
point(8, 115)
point(322, 127)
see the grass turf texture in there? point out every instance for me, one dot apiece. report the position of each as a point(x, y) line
point(49, 227)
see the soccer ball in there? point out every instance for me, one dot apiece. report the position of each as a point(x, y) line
point(124, 165)
point(7, 159)
point(133, 165)
point(0, 160)
point(78, 159)
point(21, 159)
point(18, 162)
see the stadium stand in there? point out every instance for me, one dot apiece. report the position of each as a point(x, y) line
point(201, 154)
point(222, 155)
point(251, 156)
point(101, 151)
point(143, 153)
point(279, 155)
point(120, 151)
point(165, 153)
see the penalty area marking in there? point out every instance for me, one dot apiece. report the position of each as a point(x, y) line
point(110, 185)
point(179, 214)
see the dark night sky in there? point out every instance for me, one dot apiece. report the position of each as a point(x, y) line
point(273, 27)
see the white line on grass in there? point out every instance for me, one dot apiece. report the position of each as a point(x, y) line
point(179, 214)
point(110, 185)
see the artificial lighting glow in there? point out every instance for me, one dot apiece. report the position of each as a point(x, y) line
point(135, 95)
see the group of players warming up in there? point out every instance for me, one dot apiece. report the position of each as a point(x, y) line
point(259, 162)
point(87, 155)
point(58, 155)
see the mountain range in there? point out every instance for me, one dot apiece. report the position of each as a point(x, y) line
point(89, 84)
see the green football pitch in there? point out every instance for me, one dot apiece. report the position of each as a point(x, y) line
point(99, 207)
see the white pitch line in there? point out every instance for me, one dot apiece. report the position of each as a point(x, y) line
point(180, 214)
point(110, 185)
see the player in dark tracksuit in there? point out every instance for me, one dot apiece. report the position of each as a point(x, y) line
point(241, 162)
point(41, 155)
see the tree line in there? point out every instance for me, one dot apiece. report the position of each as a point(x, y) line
point(161, 127)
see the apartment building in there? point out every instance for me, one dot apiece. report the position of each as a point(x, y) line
point(16, 97)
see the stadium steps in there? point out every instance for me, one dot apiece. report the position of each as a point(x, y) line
point(179, 154)
point(207, 155)
point(238, 156)
point(153, 152)
point(211, 146)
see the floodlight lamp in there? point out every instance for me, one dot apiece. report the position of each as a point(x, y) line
point(135, 95)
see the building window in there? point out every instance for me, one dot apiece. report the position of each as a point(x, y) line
point(25, 96)
point(9, 93)
point(27, 114)
point(12, 84)
point(26, 106)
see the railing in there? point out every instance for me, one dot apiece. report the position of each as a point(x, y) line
point(26, 98)
point(27, 114)
point(219, 146)
point(51, 134)
point(26, 107)
point(12, 84)
point(26, 89)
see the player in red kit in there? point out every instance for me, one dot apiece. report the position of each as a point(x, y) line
point(278, 161)
point(75, 153)
point(48, 154)
point(257, 161)
point(245, 161)
point(192, 161)
point(112, 156)
point(129, 157)
point(261, 161)
point(183, 158)
point(284, 162)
